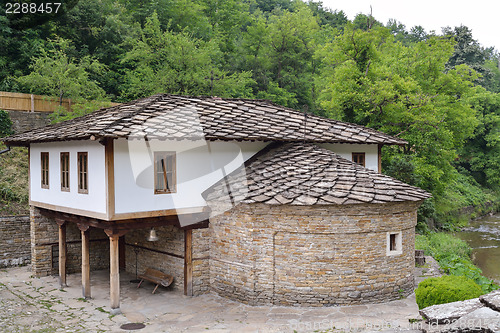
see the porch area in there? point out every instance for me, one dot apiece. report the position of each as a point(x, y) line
point(68, 245)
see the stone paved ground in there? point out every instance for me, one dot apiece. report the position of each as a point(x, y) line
point(30, 304)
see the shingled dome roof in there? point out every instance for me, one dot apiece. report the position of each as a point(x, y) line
point(169, 116)
point(306, 174)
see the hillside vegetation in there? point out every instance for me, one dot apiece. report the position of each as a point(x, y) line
point(438, 91)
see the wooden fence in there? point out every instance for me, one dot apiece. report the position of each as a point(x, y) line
point(33, 103)
point(29, 102)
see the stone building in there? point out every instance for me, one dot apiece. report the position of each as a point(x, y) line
point(251, 200)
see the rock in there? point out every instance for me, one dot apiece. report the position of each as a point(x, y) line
point(491, 300)
point(479, 320)
point(447, 313)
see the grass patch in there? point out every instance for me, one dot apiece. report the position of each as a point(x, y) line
point(14, 186)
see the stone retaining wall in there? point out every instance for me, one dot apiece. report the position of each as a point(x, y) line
point(25, 121)
point(312, 255)
point(45, 249)
point(15, 240)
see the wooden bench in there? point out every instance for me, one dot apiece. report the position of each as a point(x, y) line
point(157, 277)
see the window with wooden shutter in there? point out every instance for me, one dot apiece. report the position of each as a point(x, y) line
point(164, 172)
point(83, 172)
point(44, 158)
point(65, 171)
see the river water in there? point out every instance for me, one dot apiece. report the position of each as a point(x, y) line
point(483, 236)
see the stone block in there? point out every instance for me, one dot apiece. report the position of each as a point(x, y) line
point(449, 312)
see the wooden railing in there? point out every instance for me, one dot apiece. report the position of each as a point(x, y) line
point(32, 103)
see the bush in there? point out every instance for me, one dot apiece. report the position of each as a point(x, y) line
point(446, 289)
point(5, 124)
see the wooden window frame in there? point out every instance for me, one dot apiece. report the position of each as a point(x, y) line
point(167, 189)
point(64, 158)
point(44, 167)
point(394, 243)
point(83, 172)
point(356, 156)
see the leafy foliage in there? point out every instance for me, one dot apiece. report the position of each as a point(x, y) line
point(437, 91)
point(55, 73)
point(5, 124)
point(445, 289)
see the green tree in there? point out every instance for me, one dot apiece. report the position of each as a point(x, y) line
point(481, 154)
point(168, 62)
point(370, 79)
point(279, 50)
point(54, 73)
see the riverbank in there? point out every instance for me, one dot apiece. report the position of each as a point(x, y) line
point(483, 236)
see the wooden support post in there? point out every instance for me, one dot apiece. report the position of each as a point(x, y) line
point(114, 268)
point(62, 252)
point(379, 155)
point(114, 275)
point(188, 262)
point(85, 260)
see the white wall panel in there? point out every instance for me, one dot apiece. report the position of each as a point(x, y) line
point(94, 201)
point(345, 150)
point(199, 165)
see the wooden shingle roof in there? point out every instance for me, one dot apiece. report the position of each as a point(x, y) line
point(306, 174)
point(169, 116)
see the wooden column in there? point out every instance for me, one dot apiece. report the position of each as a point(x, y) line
point(379, 155)
point(62, 252)
point(188, 262)
point(85, 260)
point(114, 268)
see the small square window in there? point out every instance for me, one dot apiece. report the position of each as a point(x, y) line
point(359, 158)
point(165, 173)
point(394, 243)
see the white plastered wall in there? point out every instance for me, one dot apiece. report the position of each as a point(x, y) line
point(94, 201)
point(199, 164)
point(345, 150)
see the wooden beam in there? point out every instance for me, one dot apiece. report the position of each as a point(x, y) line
point(379, 154)
point(136, 223)
point(62, 252)
point(110, 178)
point(188, 262)
point(86, 263)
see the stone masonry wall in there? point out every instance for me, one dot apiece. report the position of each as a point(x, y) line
point(45, 249)
point(167, 255)
point(15, 240)
point(312, 255)
point(24, 121)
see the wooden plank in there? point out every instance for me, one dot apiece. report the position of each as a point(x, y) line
point(69, 210)
point(86, 264)
point(62, 253)
point(110, 178)
point(164, 212)
point(379, 155)
point(114, 274)
point(188, 262)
